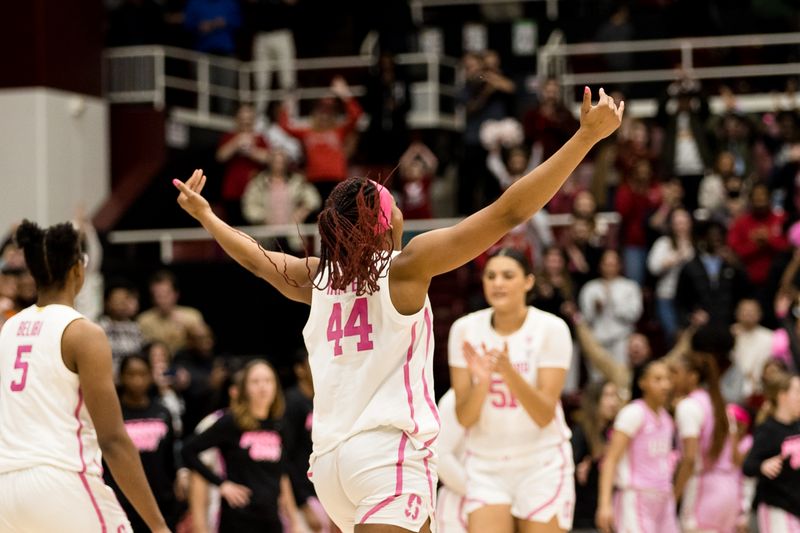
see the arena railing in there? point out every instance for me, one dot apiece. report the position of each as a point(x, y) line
point(166, 238)
point(203, 90)
point(556, 58)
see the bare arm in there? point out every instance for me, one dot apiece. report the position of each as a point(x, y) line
point(440, 251)
point(615, 372)
point(228, 149)
point(86, 351)
point(539, 402)
point(471, 385)
point(287, 503)
point(199, 502)
point(686, 466)
point(608, 468)
point(290, 275)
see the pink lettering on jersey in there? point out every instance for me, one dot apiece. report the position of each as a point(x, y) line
point(29, 329)
point(790, 449)
point(309, 421)
point(521, 367)
point(262, 445)
point(146, 434)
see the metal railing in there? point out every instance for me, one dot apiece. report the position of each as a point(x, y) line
point(204, 89)
point(166, 238)
point(557, 57)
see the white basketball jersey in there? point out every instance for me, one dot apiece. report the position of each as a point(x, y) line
point(43, 420)
point(505, 428)
point(372, 367)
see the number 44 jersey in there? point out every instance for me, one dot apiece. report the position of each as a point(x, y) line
point(505, 429)
point(372, 367)
point(43, 419)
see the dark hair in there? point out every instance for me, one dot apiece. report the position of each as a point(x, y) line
point(349, 242)
point(119, 284)
point(50, 253)
point(126, 361)
point(772, 389)
point(705, 366)
point(516, 255)
point(673, 239)
point(164, 276)
point(593, 427)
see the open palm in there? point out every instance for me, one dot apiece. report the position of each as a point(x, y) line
point(480, 366)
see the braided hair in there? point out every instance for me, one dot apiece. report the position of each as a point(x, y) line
point(50, 253)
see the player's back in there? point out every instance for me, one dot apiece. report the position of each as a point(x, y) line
point(43, 420)
point(372, 367)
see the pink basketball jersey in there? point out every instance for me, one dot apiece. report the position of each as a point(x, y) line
point(649, 462)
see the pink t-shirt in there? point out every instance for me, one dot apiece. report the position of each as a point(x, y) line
point(649, 461)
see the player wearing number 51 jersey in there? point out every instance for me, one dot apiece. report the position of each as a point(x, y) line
point(369, 332)
point(59, 408)
point(519, 464)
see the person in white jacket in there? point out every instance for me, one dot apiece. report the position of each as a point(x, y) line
point(665, 261)
point(611, 305)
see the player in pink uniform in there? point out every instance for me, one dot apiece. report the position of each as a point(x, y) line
point(707, 480)
point(369, 332)
point(59, 409)
point(639, 462)
point(450, 500)
point(519, 468)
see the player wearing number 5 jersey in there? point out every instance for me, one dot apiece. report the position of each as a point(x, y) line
point(508, 364)
point(369, 331)
point(59, 408)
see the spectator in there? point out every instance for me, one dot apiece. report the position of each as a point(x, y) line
point(417, 170)
point(244, 153)
point(599, 406)
point(164, 376)
point(583, 252)
point(201, 376)
point(786, 339)
point(280, 196)
point(149, 425)
point(387, 103)
point(550, 124)
point(720, 192)
point(711, 284)
point(553, 290)
point(786, 180)
point(277, 138)
point(757, 236)
point(485, 96)
point(167, 321)
point(611, 305)
point(135, 22)
point(666, 259)
point(273, 45)
point(636, 199)
point(686, 153)
point(753, 345)
point(118, 322)
point(214, 23)
point(672, 199)
point(324, 140)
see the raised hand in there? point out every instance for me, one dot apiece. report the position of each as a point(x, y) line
point(189, 198)
point(599, 121)
point(481, 366)
point(340, 88)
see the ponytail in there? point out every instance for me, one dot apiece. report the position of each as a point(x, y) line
point(49, 253)
point(707, 370)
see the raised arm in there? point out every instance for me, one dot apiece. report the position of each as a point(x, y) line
point(440, 251)
point(290, 275)
point(87, 352)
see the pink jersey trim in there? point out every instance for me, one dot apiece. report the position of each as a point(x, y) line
point(558, 489)
point(430, 478)
point(407, 377)
point(82, 473)
point(427, 393)
point(398, 489)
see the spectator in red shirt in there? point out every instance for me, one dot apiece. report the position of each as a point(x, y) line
point(324, 140)
point(417, 167)
point(636, 199)
point(244, 153)
point(757, 236)
point(549, 124)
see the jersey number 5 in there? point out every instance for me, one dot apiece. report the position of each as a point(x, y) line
point(19, 364)
point(357, 324)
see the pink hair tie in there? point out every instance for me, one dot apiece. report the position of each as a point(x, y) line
point(386, 202)
point(739, 413)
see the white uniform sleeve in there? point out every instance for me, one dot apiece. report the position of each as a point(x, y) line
point(451, 441)
point(557, 351)
point(455, 343)
point(630, 419)
point(688, 418)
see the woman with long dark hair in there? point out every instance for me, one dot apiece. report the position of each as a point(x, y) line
point(58, 406)
point(251, 442)
point(706, 481)
point(369, 330)
point(519, 467)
